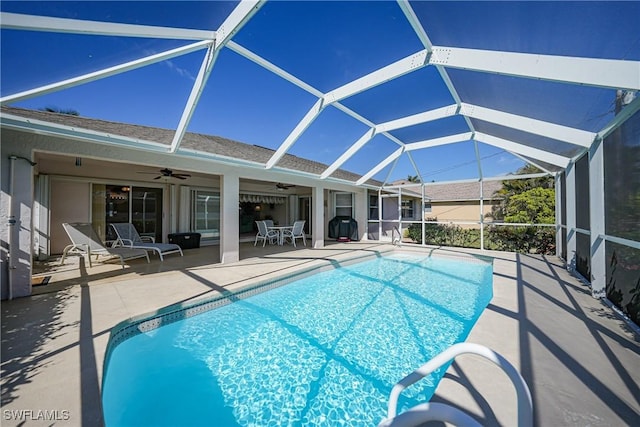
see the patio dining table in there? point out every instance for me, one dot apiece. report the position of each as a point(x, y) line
point(280, 230)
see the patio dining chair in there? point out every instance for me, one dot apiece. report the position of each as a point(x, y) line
point(296, 232)
point(85, 241)
point(265, 234)
point(128, 236)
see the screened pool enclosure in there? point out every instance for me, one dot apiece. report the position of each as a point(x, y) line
point(438, 92)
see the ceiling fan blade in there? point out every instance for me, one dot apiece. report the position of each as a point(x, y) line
point(181, 175)
point(158, 177)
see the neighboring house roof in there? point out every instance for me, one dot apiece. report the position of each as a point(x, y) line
point(194, 141)
point(457, 191)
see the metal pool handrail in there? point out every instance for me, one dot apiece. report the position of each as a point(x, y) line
point(437, 411)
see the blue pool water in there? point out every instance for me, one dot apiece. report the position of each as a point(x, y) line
point(323, 350)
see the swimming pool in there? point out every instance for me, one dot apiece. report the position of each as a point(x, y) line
point(322, 350)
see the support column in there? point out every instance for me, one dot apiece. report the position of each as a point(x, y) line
point(41, 235)
point(559, 200)
point(361, 213)
point(597, 227)
point(571, 216)
point(317, 240)
point(481, 215)
point(229, 218)
point(184, 208)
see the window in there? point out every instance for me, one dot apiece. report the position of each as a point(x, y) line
point(407, 209)
point(427, 207)
point(205, 213)
point(344, 204)
point(373, 206)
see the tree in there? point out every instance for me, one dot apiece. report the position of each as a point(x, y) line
point(536, 206)
point(513, 187)
point(413, 178)
point(528, 201)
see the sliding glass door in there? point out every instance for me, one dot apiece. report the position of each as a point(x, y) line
point(141, 206)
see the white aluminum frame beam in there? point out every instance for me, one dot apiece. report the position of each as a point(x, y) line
point(232, 24)
point(241, 50)
point(525, 150)
point(452, 139)
point(415, 119)
point(381, 75)
point(526, 124)
point(607, 73)
point(597, 214)
point(194, 97)
point(302, 125)
point(393, 156)
point(240, 15)
point(117, 69)
point(17, 21)
point(366, 137)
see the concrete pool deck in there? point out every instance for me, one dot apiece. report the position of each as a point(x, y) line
point(580, 360)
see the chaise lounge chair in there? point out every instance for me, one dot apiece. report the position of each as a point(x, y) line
point(85, 241)
point(128, 237)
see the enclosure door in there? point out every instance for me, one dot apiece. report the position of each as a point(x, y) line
point(304, 212)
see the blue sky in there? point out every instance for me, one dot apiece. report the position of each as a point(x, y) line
point(327, 44)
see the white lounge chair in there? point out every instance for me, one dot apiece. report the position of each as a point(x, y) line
point(265, 234)
point(296, 232)
point(85, 241)
point(128, 236)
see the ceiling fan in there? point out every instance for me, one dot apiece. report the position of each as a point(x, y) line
point(168, 173)
point(282, 187)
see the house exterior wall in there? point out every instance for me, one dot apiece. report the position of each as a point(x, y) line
point(70, 202)
point(110, 163)
point(459, 211)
